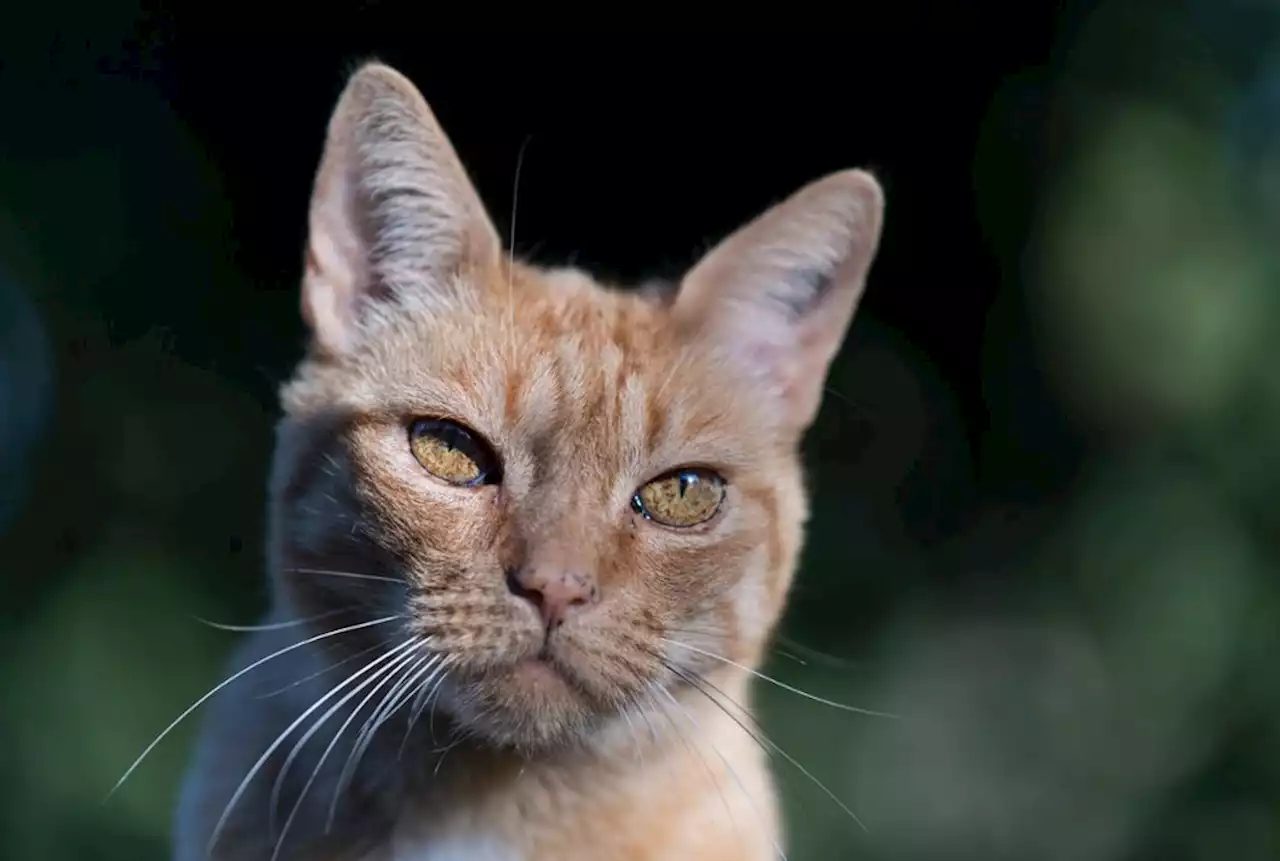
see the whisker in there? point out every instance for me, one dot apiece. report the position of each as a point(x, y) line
point(391, 703)
point(816, 655)
point(644, 716)
point(407, 696)
point(384, 708)
point(382, 676)
point(274, 626)
point(761, 737)
point(511, 258)
point(693, 748)
point(751, 799)
point(433, 699)
point(365, 735)
point(425, 690)
point(461, 737)
point(625, 712)
point(328, 668)
point(324, 572)
point(407, 692)
point(783, 685)
point(275, 745)
point(384, 673)
point(788, 648)
point(653, 730)
point(778, 650)
point(180, 718)
point(678, 366)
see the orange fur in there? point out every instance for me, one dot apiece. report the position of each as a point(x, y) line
point(583, 741)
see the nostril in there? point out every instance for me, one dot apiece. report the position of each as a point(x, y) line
point(584, 594)
point(518, 589)
point(551, 592)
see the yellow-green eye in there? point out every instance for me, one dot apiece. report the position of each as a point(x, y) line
point(452, 453)
point(684, 497)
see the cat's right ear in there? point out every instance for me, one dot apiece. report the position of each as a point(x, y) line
point(392, 211)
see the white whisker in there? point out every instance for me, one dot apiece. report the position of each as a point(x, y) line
point(383, 709)
point(327, 668)
point(385, 673)
point(422, 696)
point(382, 676)
point(625, 712)
point(324, 572)
point(266, 755)
point(692, 748)
point(761, 737)
point(783, 685)
point(180, 718)
point(653, 729)
point(391, 702)
point(818, 656)
point(751, 799)
point(511, 252)
point(274, 626)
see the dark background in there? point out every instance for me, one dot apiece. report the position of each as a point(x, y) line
point(1044, 477)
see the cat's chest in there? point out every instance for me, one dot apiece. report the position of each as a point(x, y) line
point(459, 846)
point(455, 846)
point(463, 839)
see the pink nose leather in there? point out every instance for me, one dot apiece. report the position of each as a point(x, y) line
point(554, 593)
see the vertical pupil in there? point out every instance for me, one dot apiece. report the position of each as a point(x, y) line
point(687, 480)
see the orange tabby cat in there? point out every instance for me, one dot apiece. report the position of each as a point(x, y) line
point(528, 533)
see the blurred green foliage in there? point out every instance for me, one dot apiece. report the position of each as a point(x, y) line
point(1115, 697)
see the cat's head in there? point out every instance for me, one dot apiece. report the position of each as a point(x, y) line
point(552, 482)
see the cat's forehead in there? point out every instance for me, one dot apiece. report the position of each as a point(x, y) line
point(568, 305)
point(553, 360)
point(603, 364)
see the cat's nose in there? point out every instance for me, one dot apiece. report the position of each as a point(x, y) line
point(555, 593)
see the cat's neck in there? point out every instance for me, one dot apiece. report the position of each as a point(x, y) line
point(687, 754)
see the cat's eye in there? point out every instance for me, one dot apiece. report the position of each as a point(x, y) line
point(453, 453)
point(681, 498)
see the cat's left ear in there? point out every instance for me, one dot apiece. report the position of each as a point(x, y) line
point(393, 210)
point(776, 297)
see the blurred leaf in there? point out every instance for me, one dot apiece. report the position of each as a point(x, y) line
point(83, 710)
point(1153, 299)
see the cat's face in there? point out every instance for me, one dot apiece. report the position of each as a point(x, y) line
point(579, 498)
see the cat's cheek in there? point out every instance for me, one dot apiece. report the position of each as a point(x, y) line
point(458, 521)
point(753, 602)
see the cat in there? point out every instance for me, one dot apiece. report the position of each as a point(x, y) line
point(530, 534)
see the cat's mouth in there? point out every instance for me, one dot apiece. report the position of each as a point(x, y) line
point(534, 701)
point(547, 666)
point(553, 670)
point(535, 687)
point(541, 670)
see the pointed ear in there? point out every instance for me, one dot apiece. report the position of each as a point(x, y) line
point(392, 211)
point(777, 296)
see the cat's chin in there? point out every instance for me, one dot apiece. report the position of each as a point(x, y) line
point(532, 704)
point(538, 675)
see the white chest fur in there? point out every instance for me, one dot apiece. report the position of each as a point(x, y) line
point(455, 846)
